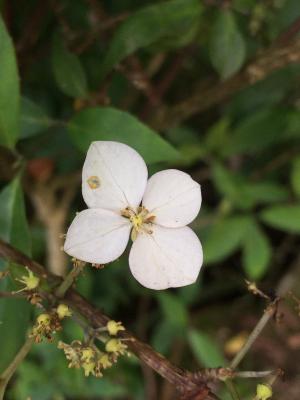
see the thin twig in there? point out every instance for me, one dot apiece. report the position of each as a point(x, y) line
point(10, 370)
point(268, 314)
point(201, 99)
point(68, 280)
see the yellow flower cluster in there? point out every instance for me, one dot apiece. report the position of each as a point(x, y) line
point(89, 358)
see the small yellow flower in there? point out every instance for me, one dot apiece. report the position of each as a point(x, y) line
point(263, 392)
point(43, 319)
point(105, 361)
point(88, 367)
point(87, 354)
point(114, 327)
point(63, 311)
point(72, 353)
point(115, 346)
point(30, 281)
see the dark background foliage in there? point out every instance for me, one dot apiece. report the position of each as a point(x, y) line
point(210, 87)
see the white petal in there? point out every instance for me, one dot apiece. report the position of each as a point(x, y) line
point(114, 176)
point(97, 236)
point(173, 197)
point(166, 258)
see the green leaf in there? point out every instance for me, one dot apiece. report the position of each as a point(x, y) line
point(163, 336)
point(14, 313)
point(244, 194)
point(257, 252)
point(68, 71)
point(149, 25)
point(111, 124)
point(295, 176)
point(227, 47)
point(286, 217)
point(34, 119)
point(224, 237)
point(206, 349)
point(259, 131)
point(9, 90)
point(173, 309)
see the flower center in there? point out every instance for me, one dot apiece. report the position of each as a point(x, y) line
point(137, 221)
point(140, 219)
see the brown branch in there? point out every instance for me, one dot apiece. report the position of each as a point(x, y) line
point(181, 379)
point(201, 99)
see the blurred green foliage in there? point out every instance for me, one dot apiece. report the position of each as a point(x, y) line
point(99, 70)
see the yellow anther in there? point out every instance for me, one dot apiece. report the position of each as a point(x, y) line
point(115, 346)
point(137, 221)
point(114, 327)
point(263, 391)
point(63, 311)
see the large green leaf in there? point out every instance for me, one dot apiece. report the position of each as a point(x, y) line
point(257, 251)
point(9, 90)
point(111, 124)
point(68, 71)
point(149, 25)
point(285, 217)
point(227, 46)
point(224, 237)
point(205, 349)
point(14, 313)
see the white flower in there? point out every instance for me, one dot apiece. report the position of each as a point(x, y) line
point(165, 252)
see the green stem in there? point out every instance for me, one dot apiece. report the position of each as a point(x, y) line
point(270, 311)
point(68, 281)
point(10, 370)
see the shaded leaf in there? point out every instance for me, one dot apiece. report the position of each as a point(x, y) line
point(173, 309)
point(163, 337)
point(111, 124)
point(227, 47)
point(205, 349)
point(295, 176)
point(244, 194)
point(257, 251)
point(33, 119)
point(224, 237)
point(68, 71)
point(149, 25)
point(9, 90)
point(14, 313)
point(259, 131)
point(286, 217)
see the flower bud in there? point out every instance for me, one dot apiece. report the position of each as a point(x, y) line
point(63, 311)
point(263, 391)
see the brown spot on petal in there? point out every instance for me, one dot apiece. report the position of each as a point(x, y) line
point(93, 182)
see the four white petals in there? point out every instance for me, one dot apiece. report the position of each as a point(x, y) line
point(165, 253)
